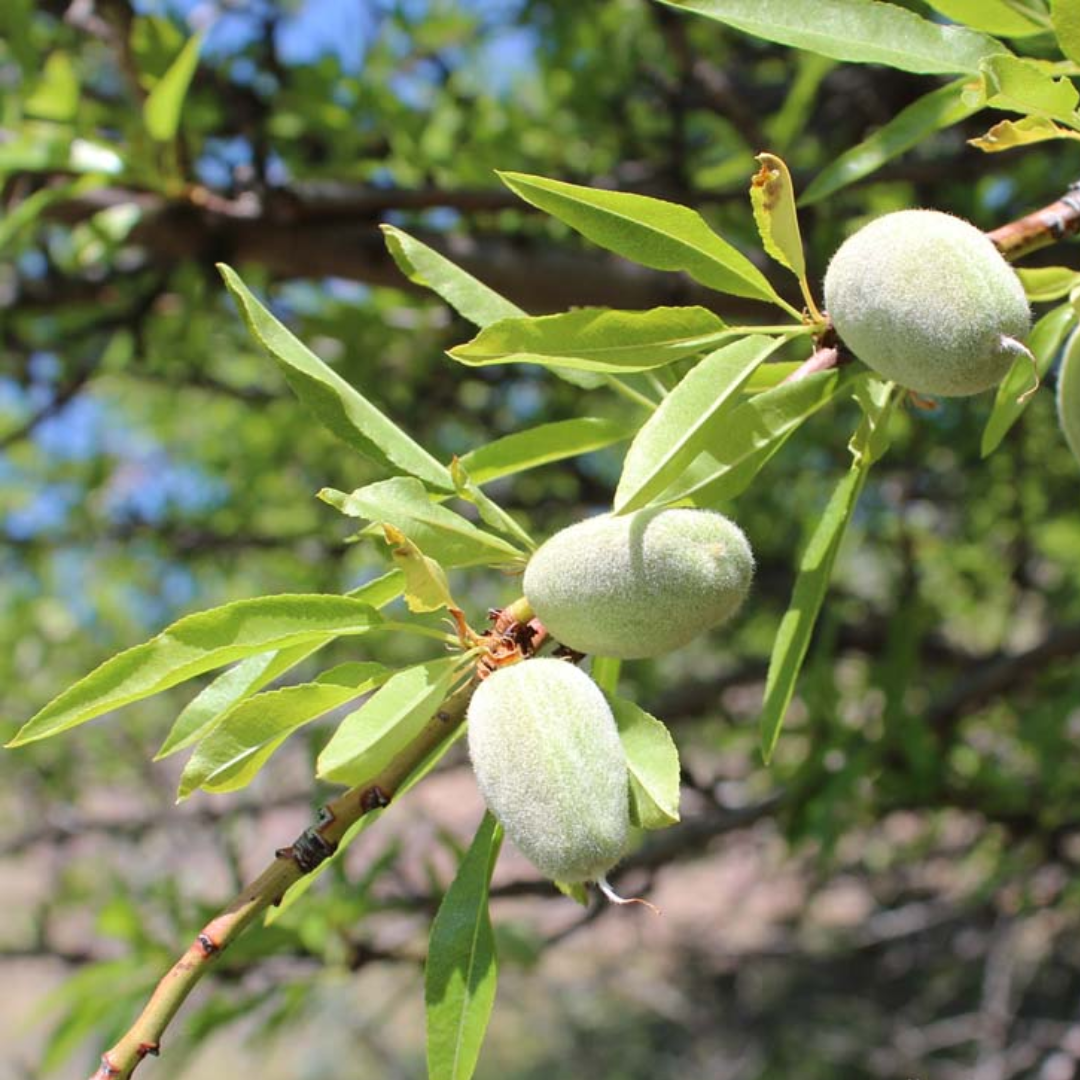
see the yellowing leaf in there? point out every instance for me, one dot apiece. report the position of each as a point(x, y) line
point(426, 587)
point(1009, 134)
point(772, 195)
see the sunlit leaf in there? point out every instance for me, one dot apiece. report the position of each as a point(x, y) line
point(595, 339)
point(368, 739)
point(195, 644)
point(816, 565)
point(653, 761)
point(441, 534)
point(649, 231)
point(542, 445)
point(339, 406)
point(690, 419)
point(461, 970)
point(244, 739)
point(859, 31)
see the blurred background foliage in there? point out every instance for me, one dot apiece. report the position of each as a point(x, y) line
point(895, 896)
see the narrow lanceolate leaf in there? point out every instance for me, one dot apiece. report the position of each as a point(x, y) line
point(542, 445)
point(338, 406)
point(653, 762)
point(1068, 394)
point(441, 534)
point(164, 104)
point(1008, 134)
point(1023, 86)
point(753, 430)
point(993, 16)
point(859, 31)
point(595, 339)
point(816, 564)
point(195, 644)
point(474, 300)
point(426, 587)
point(649, 231)
point(690, 419)
point(941, 108)
point(242, 742)
point(1065, 15)
point(423, 265)
point(1010, 401)
point(461, 971)
point(370, 738)
point(251, 675)
point(1043, 283)
point(772, 195)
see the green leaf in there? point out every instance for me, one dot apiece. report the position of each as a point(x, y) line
point(1065, 15)
point(165, 103)
point(1023, 86)
point(252, 674)
point(653, 762)
point(648, 231)
point(595, 339)
point(772, 195)
point(941, 108)
point(693, 417)
point(542, 445)
point(1009, 402)
point(244, 739)
point(1008, 134)
point(754, 427)
point(198, 643)
point(470, 298)
point(1043, 283)
point(55, 95)
point(816, 565)
point(461, 970)
point(1068, 394)
point(990, 16)
point(859, 31)
point(370, 738)
point(337, 405)
point(441, 534)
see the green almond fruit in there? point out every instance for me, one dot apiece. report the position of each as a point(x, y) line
point(642, 584)
point(926, 300)
point(546, 752)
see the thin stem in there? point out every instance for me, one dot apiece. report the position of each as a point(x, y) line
point(290, 864)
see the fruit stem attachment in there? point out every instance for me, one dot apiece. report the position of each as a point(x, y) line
point(604, 886)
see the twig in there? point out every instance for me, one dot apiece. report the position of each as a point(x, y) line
point(1050, 225)
point(290, 864)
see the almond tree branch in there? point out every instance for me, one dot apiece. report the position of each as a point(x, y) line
point(1050, 225)
point(290, 864)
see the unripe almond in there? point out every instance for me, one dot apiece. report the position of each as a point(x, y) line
point(548, 760)
point(926, 300)
point(642, 584)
